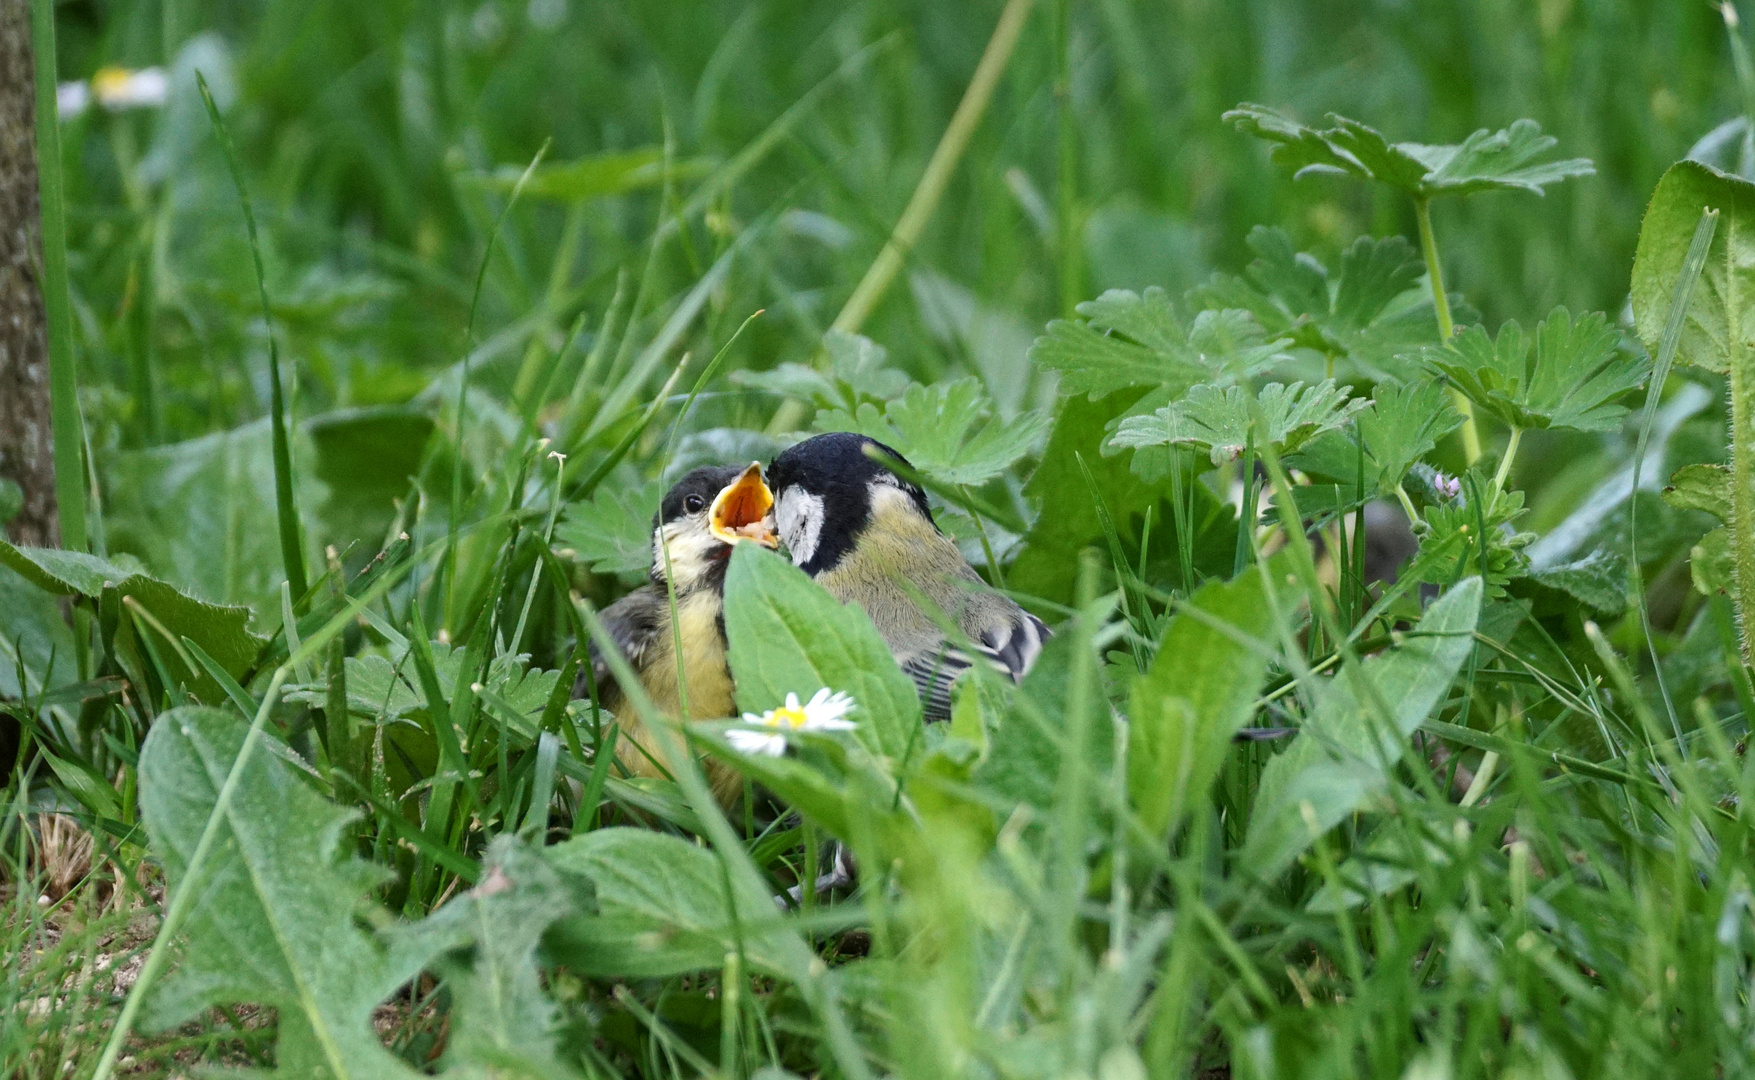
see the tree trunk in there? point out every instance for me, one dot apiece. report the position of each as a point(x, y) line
point(27, 450)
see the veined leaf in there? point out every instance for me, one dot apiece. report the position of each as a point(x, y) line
point(662, 908)
point(1026, 754)
point(858, 372)
point(613, 532)
point(945, 430)
point(1508, 159)
point(503, 1020)
point(1569, 379)
point(1200, 690)
point(1218, 421)
point(1133, 339)
point(1343, 755)
point(275, 922)
point(1353, 313)
point(786, 635)
point(1701, 487)
point(221, 631)
point(1402, 425)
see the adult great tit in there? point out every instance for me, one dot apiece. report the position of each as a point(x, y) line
point(867, 536)
point(698, 522)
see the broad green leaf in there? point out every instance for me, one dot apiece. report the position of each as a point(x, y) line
point(34, 639)
point(1508, 159)
point(858, 372)
point(786, 635)
point(613, 532)
point(1720, 315)
point(366, 460)
point(1569, 379)
point(1025, 755)
point(1370, 308)
point(945, 430)
point(661, 908)
point(1200, 690)
point(1701, 487)
point(1598, 580)
point(490, 933)
point(1716, 335)
point(1400, 427)
point(1344, 755)
point(1218, 421)
point(1712, 563)
point(1130, 339)
point(202, 513)
point(275, 921)
point(222, 632)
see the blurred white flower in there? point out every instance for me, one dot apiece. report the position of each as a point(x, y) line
point(825, 711)
point(119, 88)
point(114, 88)
point(72, 99)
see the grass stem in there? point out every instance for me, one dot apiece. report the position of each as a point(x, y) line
point(1471, 436)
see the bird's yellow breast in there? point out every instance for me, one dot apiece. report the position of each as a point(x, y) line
point(706, 680)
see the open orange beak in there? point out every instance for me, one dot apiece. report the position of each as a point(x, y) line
point(744, 509)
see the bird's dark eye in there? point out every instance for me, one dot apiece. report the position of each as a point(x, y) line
point(694, 504)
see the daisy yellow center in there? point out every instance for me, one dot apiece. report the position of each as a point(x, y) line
point(792, 718)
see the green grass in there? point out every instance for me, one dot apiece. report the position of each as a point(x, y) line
point(1510, 838)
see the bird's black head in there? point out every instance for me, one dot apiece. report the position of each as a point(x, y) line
point(825, 489)
point(702, 516)
point(694, 493)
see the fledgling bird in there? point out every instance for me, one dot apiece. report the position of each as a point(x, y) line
point(867, 536)
point(698, 522)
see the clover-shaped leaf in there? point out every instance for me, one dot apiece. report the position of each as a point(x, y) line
point(613, 532)
point(858, 372)
point(1218, 419)
point(1501, 160)
point(1130, 339)
point(1568, 376)
point(947, 430)
point(1370, 309)
point(1402, 425)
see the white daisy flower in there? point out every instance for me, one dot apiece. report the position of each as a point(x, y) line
point(825, 711)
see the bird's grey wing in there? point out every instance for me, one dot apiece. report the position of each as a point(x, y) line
point(633, 623)
point(1010, 646)
point(933, 673)
point(1014, 642)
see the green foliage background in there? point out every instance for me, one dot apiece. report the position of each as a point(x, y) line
point(1508, 838)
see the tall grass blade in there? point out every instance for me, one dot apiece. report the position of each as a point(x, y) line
point(57, 298)
point(292, 549)
point(487, 255)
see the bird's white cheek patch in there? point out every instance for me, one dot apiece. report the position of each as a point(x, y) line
point(799, 516)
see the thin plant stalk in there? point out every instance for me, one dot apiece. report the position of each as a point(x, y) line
point(292, 552)
point(57, 300)
point(1066, 184)
point(931, 188)
point(1471, 435)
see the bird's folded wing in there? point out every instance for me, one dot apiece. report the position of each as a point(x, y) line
point(1011, 647)
point(633, 623)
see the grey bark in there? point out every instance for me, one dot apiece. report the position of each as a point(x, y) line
point(27, 450)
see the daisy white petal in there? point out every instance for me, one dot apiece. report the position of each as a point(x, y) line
point(756, 743)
